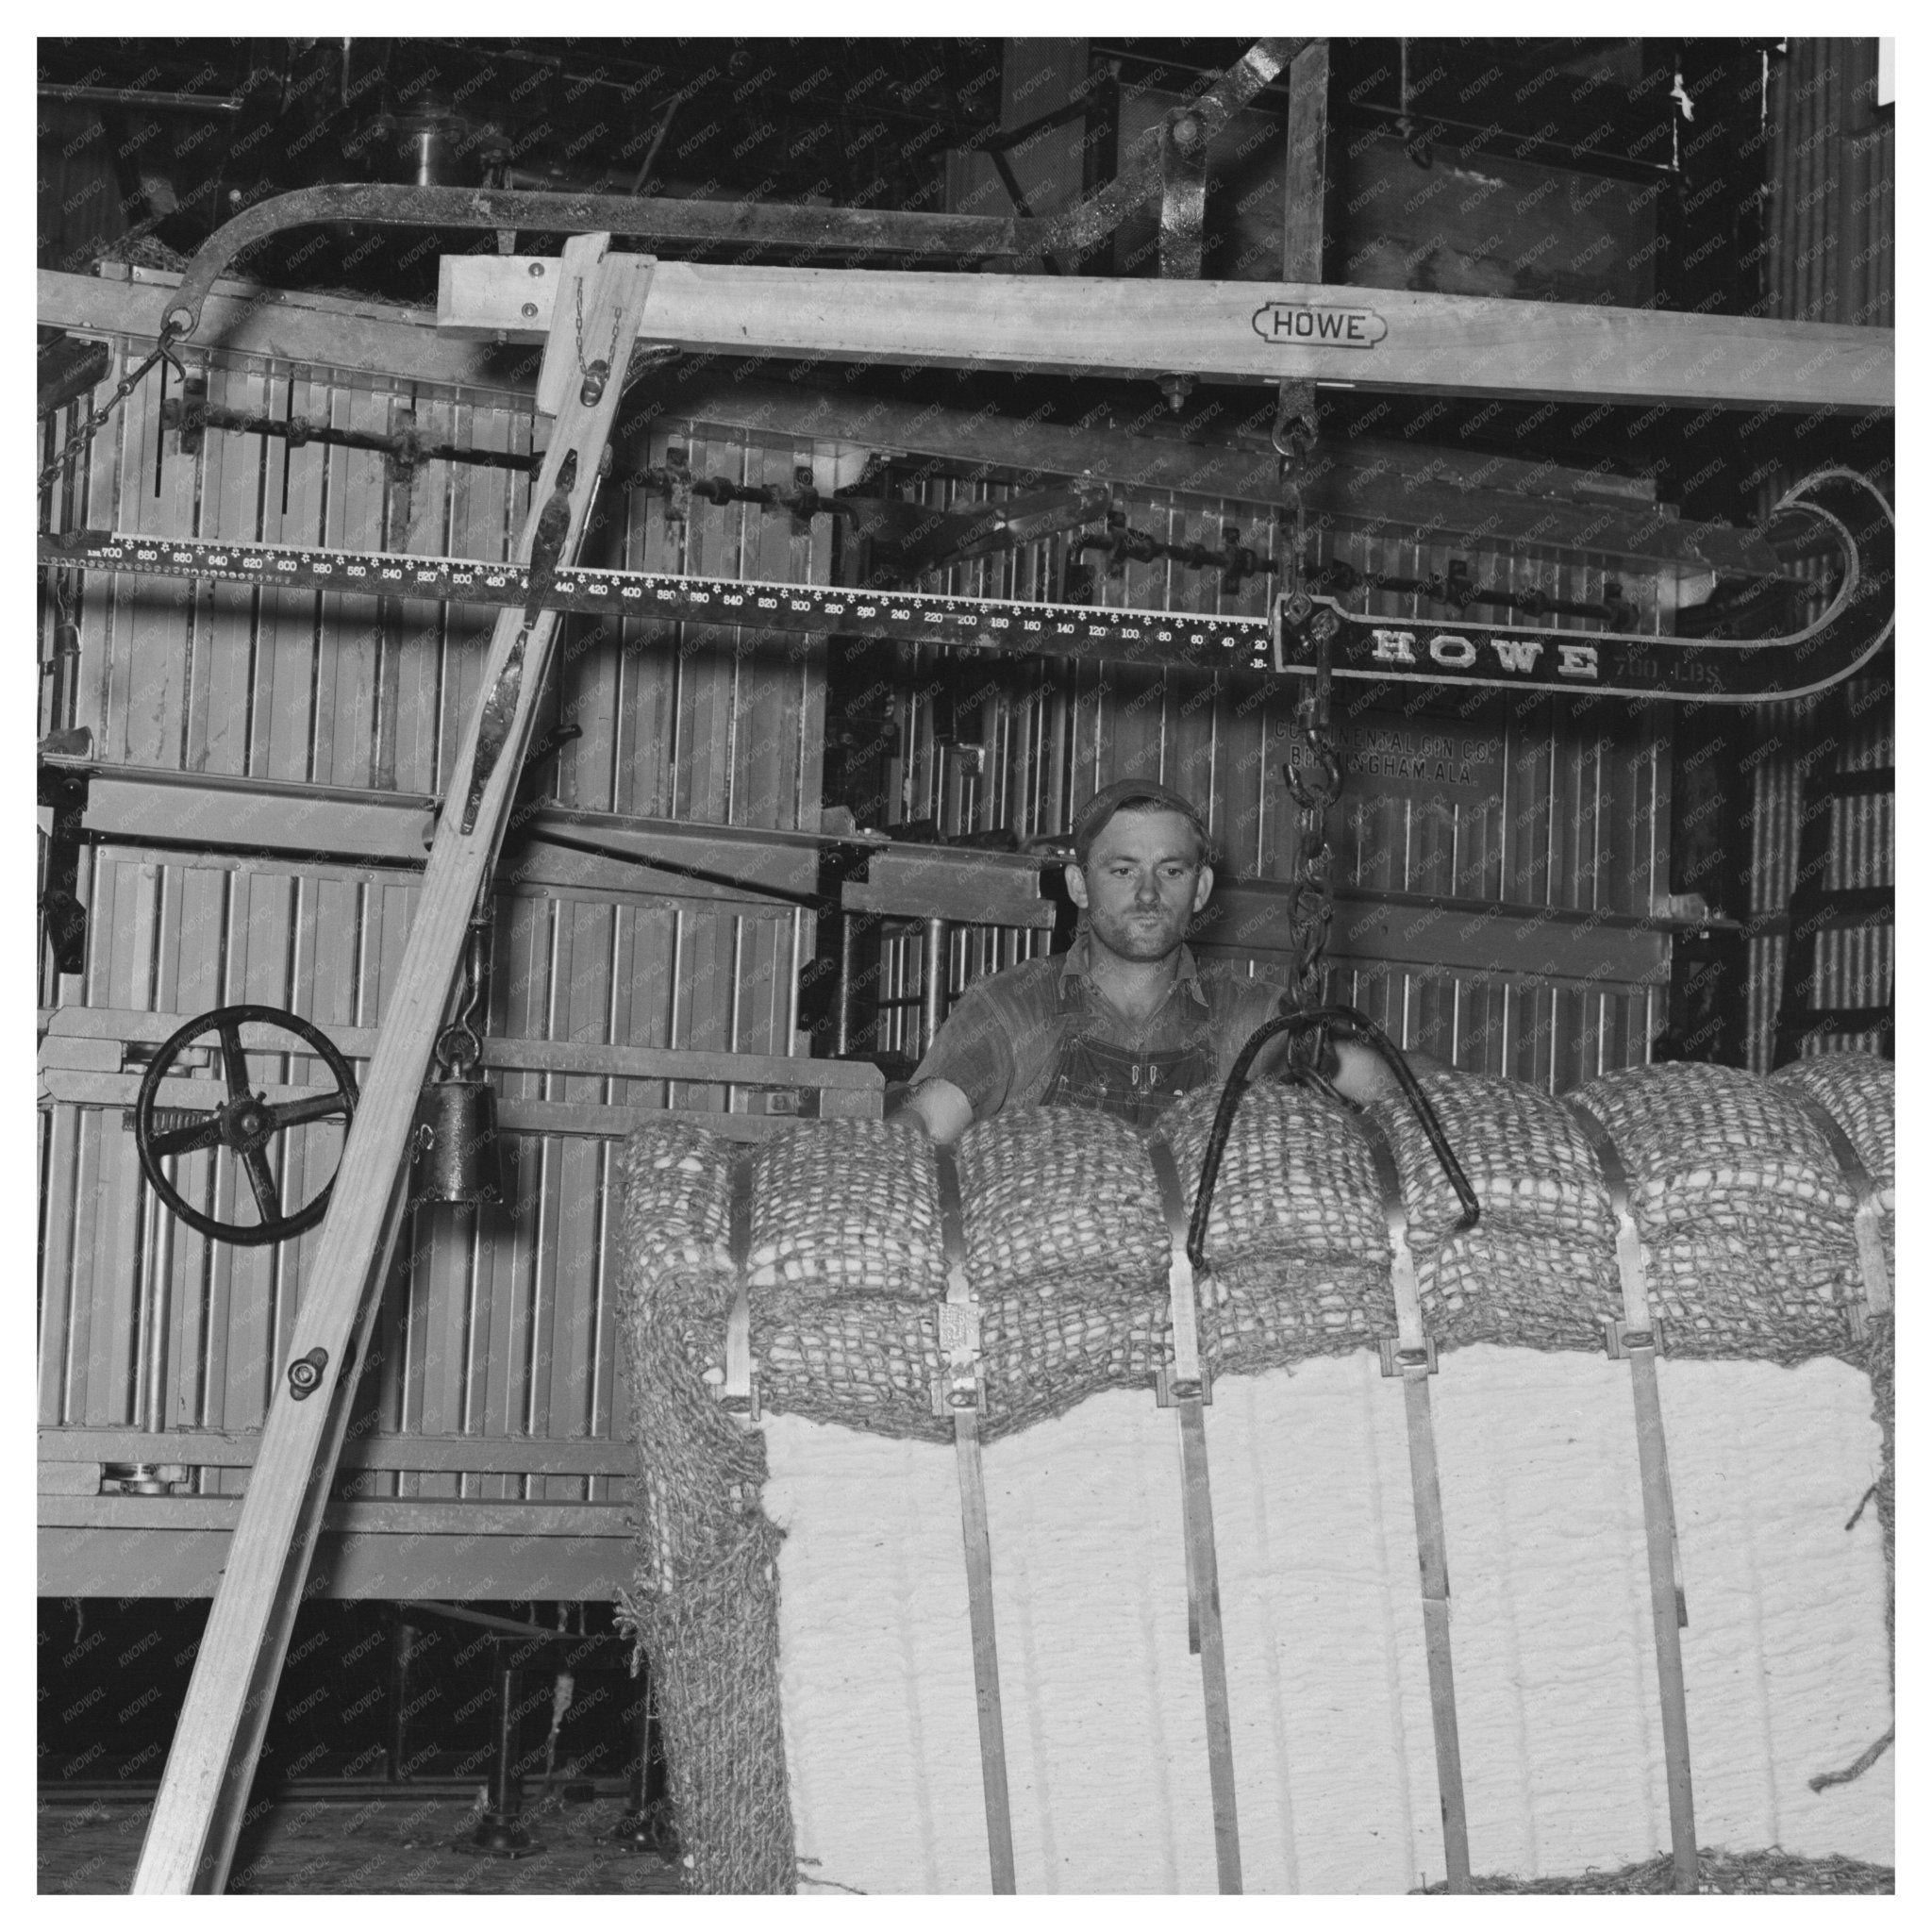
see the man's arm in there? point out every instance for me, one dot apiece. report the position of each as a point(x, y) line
point(937, 1106)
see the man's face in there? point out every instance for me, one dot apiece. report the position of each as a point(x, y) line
point(1142, 884)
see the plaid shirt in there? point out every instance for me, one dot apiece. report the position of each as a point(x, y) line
point(1001, 1043)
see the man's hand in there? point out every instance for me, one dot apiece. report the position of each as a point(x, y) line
point(1365, 1077)
point(938, 1108)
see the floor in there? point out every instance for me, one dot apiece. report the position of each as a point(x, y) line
point(373, 1840)
point(379, 1839)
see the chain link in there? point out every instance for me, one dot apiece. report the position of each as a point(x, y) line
point(595, 374)
point(98, 420)
point(1313, 772)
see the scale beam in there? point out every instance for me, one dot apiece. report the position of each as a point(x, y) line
point(1399, 340)
point(1853, 626)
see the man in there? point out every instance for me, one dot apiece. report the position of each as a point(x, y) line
point(1126, 1022)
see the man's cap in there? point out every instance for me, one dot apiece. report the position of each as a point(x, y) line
point(1092, 819)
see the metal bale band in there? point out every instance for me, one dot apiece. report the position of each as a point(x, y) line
point(959, 1393)
point(738, 1390)
point(1635, 1337)
point(1873, 1275)
point(1185, 1385)
point(1413, 1355)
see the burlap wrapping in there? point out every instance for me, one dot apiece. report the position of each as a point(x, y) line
point(1746, 1223)
point(1539, 1269)
point(1859, 1091)
point(704, 1607)
point(850, 1208)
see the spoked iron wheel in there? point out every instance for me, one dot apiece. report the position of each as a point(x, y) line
point(244, 1122)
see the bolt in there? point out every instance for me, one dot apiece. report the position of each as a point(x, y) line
point(529, 309)
point(1187, 131)
point(536, 267)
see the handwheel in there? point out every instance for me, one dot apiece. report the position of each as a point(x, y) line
point(244, 1122)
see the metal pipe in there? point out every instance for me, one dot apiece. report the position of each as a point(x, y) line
point(933, 988)
point(139, 97)
point(791, 227)
point(402, 1640)
point(848, 968)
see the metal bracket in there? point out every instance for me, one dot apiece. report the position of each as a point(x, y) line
point(305, 1371)
point(66, 794)
point(1397, 1361)
point(1619, 1338)
point(950, 1394)
point(189, 415)
point(747, 1406)
point(677, 489)
point(1167, 1392)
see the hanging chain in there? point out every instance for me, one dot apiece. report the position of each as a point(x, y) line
point(1314, 771)
point(92, 425)
point(595, 374)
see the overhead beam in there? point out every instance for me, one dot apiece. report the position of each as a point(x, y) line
point(1380, 339)
point(1307, 192)
point(1392, 487)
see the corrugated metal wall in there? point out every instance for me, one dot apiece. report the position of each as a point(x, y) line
point(1848, 731)
point(1829, 177)
point(502, 1326)
point(1569, 819)
point(1829, 174)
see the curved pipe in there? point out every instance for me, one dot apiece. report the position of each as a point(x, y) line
point(788, 225)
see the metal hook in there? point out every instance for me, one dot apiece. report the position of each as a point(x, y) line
point(452, 1058)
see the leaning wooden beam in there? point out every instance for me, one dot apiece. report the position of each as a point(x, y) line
point(1383, 339)
point(198, 1813)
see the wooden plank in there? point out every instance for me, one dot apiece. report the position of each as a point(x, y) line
point(282, 732)
point(652, 1002)
point(232, 482)
point(316, 821)
point(59, 1150)
point(499, 1054)
point(293, 325)
point(1306, 188)
point(163, 1563)
point(708, 676)
point(581, 1008)
point(370, 1515)
point(238, 1449)
point(646, 720)
point(163, 638)
point(764, 748)
point(198, 1811)
point(348, 669)
point(605, 1415)
point(1391, 339)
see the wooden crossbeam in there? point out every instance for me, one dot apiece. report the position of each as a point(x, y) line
point(1385, 339)
point(197, 1816)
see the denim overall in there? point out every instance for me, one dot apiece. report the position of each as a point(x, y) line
point(1134, 1087)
